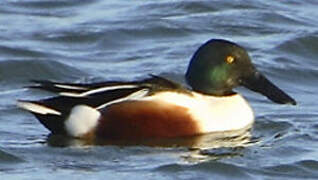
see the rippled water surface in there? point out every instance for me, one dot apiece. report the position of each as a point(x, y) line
point(93, 40)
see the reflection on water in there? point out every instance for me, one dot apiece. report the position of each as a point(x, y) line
point(200, 148)
point(239, 138)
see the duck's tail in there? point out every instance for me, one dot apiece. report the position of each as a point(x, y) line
point(51, 118)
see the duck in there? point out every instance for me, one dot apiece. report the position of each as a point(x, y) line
point(156, 107)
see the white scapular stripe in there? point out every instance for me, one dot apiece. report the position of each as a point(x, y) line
point(81, 120)
point(63, 86)
point(134, 96)
point(98, 90)
point(36, 108)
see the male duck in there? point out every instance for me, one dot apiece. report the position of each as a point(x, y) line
point(157, 107)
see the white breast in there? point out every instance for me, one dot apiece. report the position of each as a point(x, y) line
point(213, 114)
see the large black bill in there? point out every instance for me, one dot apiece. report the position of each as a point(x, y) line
point(259, 83)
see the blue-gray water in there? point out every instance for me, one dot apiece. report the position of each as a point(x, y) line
point(92, 40)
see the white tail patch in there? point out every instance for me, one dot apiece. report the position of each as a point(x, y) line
point(36, 108)
point(81, 120)
point(134, 96)
point(98, 90)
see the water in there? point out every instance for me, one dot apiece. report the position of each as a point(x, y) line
point(85, 41)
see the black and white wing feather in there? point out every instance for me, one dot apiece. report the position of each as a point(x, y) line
point(53, 111)
point(99, 95)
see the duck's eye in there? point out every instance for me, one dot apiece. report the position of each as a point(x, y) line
point(230, 59)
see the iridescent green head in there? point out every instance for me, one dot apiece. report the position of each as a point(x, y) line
point(218, 66)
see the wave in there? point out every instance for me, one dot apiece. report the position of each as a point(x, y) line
point(16, 71)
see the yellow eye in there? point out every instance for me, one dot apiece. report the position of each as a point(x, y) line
point(230, 59)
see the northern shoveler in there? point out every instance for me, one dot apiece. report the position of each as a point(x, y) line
point(157, 107)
